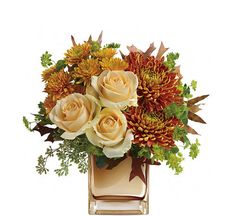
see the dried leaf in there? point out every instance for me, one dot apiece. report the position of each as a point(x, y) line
point(113, 163)
point(149, 51)
point(194, 108)
point(73, 40)
point(195, 100)
point(50, 137)
point(161, 51)
point(191, 130)
point(90, 39)
point(99, 40)
point(194, 117)
point(177, 71)
point(122, 55)
point(43, 129)
point(137, 164)
point(133, 48)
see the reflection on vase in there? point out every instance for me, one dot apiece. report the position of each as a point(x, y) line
point(111, 192)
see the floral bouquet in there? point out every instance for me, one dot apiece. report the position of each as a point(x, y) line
point(111, 107)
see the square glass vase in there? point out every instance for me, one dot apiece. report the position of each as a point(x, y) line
point(111, 192)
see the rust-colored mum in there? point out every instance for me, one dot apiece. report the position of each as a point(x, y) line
point(77, 53)
point(46, 74)
point(86, 69)
point(113, 64)
point(59, 85)
point(49, 103)
point(151, 128)
point(104, 53)
point(157, 85)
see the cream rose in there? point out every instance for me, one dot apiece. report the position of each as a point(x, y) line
point(75, 113)
point(116, 89)
point(110, 133)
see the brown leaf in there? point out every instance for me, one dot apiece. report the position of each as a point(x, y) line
point(99, 40)
point(195, 108)
point(191, 130)
point(122, 55)
point(73, 40)
point(133, 48)
point(43, 129)
point(137, 164)
point(50, 137)
point(195, 100)
point(113, 163)
point(90, 40)
point(194, 117)
point(177, 71)
point(161, 51)
point(149, 51)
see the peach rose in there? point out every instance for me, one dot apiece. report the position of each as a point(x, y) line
point(116, 89)
point(110, 133)
point(75, 113)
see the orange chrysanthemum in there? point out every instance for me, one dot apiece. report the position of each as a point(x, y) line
point(49, 103)
point(104, 53)
point(59, 85)
point(151, 128)
point(157, 85)
point(113, 64)
point(77, 53)
point(46, 74)
point(86, 69)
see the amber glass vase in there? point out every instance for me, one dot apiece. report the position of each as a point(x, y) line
point(111, 192)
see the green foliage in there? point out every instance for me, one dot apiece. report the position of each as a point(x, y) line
point(194, 149)
point(112, 45)
point(61, 64)
point(171, 59)
point(27, 123)
point(172, 157)
point(174, 161)
point(95, 46)
point(41, 116)
point(179, 111)
point(194, 85)
point(181, 134)
point(186, 92)
point(158, 153)
point(144, 152)
point(46, 60)
point(68, 153)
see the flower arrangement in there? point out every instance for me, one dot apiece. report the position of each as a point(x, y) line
point(113, 107)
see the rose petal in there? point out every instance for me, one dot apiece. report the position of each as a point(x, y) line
point(121, 149)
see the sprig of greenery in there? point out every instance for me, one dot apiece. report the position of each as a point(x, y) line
point(27, 124)
point(46, 60)
point(179, 111)
point(68, 153)
point(174, 161)
point(112, 45)
point(194, 149)
point(194, 85)
point(171, 60)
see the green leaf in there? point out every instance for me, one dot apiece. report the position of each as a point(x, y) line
point(194, 85)
point(144, 152)
point(171, 59)
point(194, 149)
point(101, 161)
point(158, 153)
point(46, 60)
point(174, 162)
point(112, 45)
point(61, 64)
point(27, 123)
point(179, 111)
point(95, 46)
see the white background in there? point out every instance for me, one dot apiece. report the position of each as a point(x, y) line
point(203, 33)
